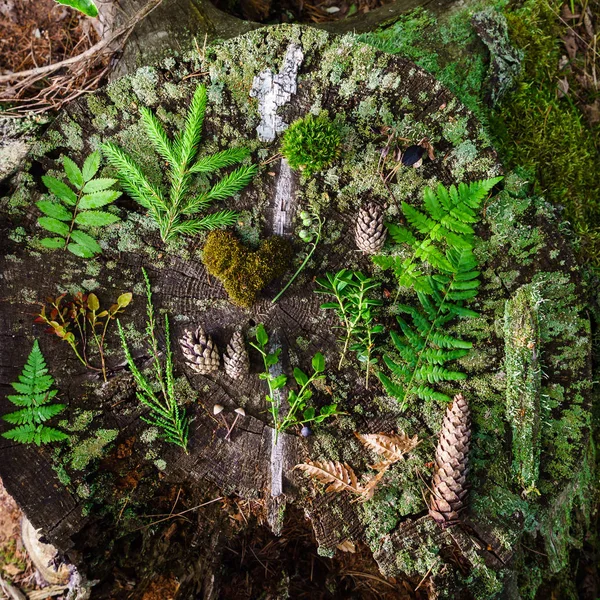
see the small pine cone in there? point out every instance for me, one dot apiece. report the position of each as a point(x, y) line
point(370, 231)
point(235, 358)
point(200, 351)
point(451, 464)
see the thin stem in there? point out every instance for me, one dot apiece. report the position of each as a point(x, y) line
point(304, 262)
point(79, 196)
point(290, 417)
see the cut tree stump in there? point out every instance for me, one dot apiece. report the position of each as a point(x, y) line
point(110, 500)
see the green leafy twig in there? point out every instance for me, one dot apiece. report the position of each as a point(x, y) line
point(83, 310)
point(174, 211)
point(311, 234)
point(165, 412)
point(76, 209)
point(297, 400)
point(34, 396)
point(353, 307)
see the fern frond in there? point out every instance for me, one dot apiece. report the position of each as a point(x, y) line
point(34, 396)
point(219, 160)
point(133, 180)
point(158, 135)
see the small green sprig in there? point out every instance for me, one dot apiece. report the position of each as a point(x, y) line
point(34, 396)
point(299, 412)
point(354, 309)
point(76, 209)
point(311, 235)
point(165, 412)
point(82, 315)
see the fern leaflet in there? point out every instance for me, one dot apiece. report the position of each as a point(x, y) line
point(34, 395)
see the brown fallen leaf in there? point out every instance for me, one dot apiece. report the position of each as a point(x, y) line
point(339, 475)
point(347, 546)
point(392, 447)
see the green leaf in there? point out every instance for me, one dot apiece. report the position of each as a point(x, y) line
point(81, 251)
point(91, 165)
point(300, 376)
point(278, 382)
point(318, 363)
point(73, 172)
point(95, 218)
point(261, 335)
point(54, 210)
point(98, 199)
point(97, 185)
point(309, 414)
point(93, 302)
point(124, 299)
point(87, 7)
point(86, 240)
point(60, 189)
point(53, 243)
point(54, 225)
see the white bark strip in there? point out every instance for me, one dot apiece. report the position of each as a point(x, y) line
point(274, 91)
point(284, 200)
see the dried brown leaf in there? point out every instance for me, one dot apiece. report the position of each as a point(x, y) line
point(392, 447)
point(339, 475)
point(347, 546)
point(371, 485)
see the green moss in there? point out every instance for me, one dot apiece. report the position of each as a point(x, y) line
point(92, 448)
point(523, 383)
point(311, 143)
point(245, 273)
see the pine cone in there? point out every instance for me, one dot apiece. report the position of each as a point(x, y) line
point(200, 351)
point(451, 464)
point(370, 231)
point(235, 358)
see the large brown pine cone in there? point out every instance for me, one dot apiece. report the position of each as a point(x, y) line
point(235, 358)
point(200, 351)
point(370, 231)
point(451, 464)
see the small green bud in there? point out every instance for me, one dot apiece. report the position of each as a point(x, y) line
point(304, 215)
point(306, 222)
point(305, 235)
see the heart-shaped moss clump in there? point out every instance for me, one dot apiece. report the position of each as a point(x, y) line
point(244, 272)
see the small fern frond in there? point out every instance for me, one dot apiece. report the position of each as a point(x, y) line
point(216, 220)
point(34, 396)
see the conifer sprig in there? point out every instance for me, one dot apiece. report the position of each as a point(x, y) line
point(34, 396)
point(165, 412)
point(176, 210)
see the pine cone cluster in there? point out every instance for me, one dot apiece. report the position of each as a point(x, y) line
point(235, 359)
point(370, 231)
point(451, 464)
point(200, 352)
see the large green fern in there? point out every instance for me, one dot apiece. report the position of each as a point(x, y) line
point(443, 270)
point(175, 211)
point(34, 396)
point(446, 223)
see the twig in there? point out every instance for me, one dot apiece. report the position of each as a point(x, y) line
point(141, 14)
point(427, 574)
point(179, 514)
